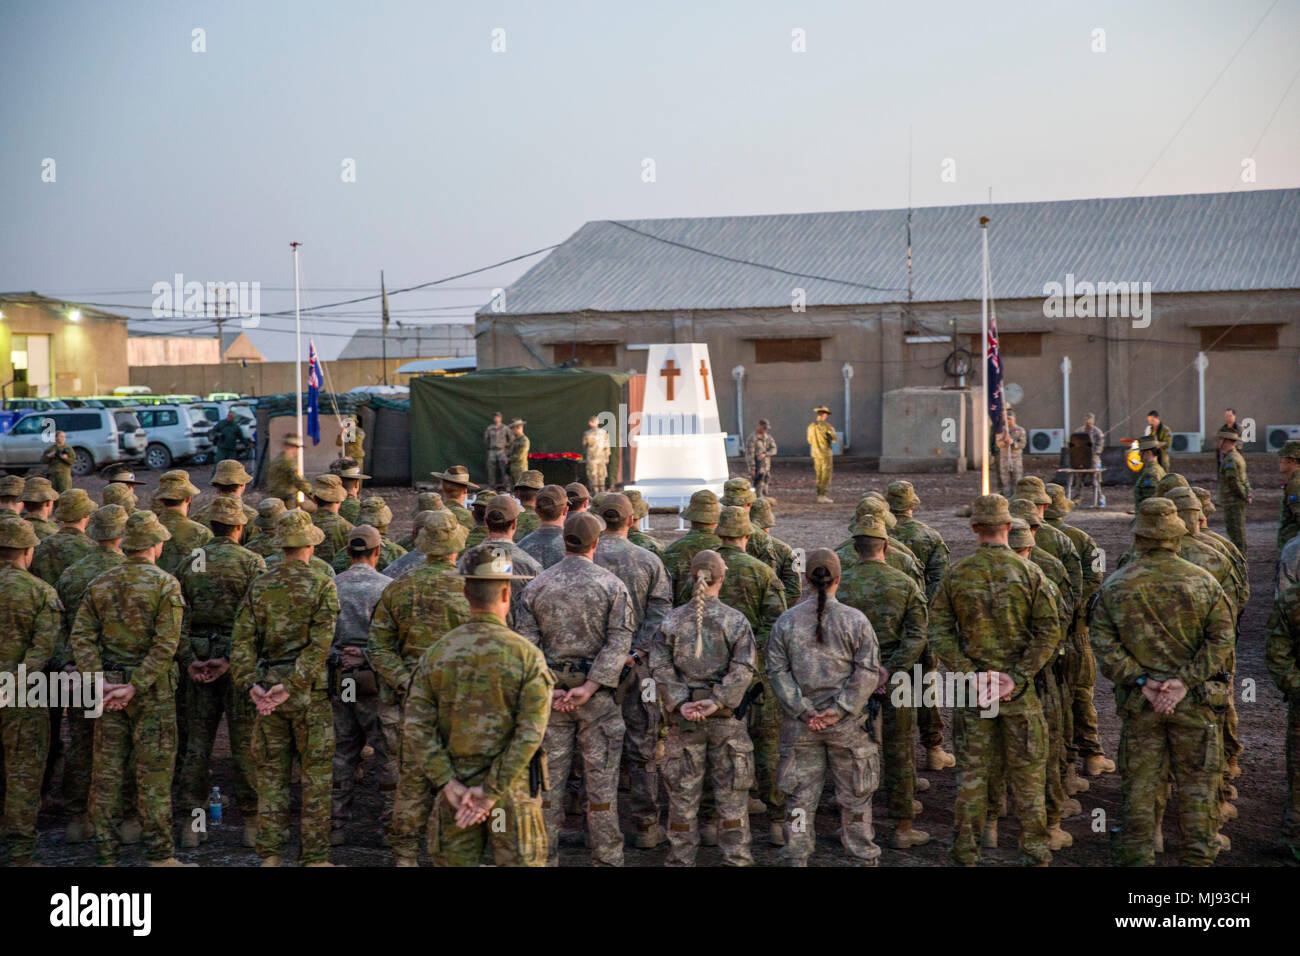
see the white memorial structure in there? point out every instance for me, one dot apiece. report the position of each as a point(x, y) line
point(680, 445)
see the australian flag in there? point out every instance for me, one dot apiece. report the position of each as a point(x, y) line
point(313, 394)
point(997, 407)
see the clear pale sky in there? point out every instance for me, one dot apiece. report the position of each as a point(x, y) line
point(208, 164)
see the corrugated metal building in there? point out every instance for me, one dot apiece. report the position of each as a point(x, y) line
point(49, 347)
point(788, 303)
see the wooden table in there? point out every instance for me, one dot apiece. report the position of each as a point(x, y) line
point(1096, 483)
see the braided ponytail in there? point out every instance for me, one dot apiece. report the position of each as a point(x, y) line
point(821, 579)
point(701, 582)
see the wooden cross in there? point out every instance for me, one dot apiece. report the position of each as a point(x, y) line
point(670, 371)
point(704, 374)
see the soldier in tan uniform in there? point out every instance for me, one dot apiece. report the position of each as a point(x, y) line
point(821, 440)
point(496, 439)
point(595, 448)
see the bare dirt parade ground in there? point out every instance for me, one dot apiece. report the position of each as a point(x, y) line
point(804, 524)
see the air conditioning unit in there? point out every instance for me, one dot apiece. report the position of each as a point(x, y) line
point(1045, 441)
point(1275, 436)
point(1186, 443)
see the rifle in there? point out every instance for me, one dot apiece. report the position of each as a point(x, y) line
point(751, 695)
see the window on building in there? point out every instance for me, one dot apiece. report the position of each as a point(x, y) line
point(585, 353)
point(1012, 344)
point(1231, 338)
point(787, 350)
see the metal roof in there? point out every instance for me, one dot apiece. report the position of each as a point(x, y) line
point(1234, 241)
point(437, 365)
point(412, 341)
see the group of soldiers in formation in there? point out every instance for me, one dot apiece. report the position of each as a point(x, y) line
point(522, 656)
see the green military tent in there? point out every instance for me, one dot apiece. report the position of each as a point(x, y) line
point(449, 414)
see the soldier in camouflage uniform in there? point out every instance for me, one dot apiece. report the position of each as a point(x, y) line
point(580, 615)
point(651, 599)
point(895, 606)
point(526, 491)
point(350, 474)
point(899, 555)
point(517, 450)
point(479, 507)
point(1207, 507)
point(640, 510)
point(1288, 522)
point(1163, 632)
point(69, 544)
point(783, 558)
point(1148, 478)
point(58, 460)
point(760, 449)
point(703, 659)
point(702, 513)
point(128, 627)
point(328, 494)
point(413, 613)
point(1011, 444)
point(993, 614)
point(823, 663)
point(11, 493)
point(38, 504)
point(172, 504)
point(374, 511)
point(424, 501)
point(545, 544)
point(213, 588)
point(1282, 653)
point(595, 448)
point(30, 627)
point(1234, 487)
point(269, 511)
point(359, 713)
point(496, 439)
point(475, 718)
point(455, 485)
point(282, 638)
point(231, 481)
point(284, 480)
point(501, 516)
point(414, 557)
point(351, 439)
point(118, 493)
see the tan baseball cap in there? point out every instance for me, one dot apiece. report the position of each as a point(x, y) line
point(364, 537)
point(582, 530)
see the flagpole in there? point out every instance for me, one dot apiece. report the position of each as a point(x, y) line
point(297, 341)
point(984, 378)
point(383, 331)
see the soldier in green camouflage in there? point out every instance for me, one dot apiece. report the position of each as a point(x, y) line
point(281, 639)
point(1163, 632)
point(213, 586)
point(455, 485)
point(737, 493)
point(703, 659)
point(479, 532)
point(119, 493)
point(823, 664)
point(1207, 507)
point(501, 515)
point(899, 556)
point(475, 718)
point(641, 510)
point(517, 450)
point(374, 511)
point(172, 504)
point(896, 607)
point(350, 474)
point(30, 627)
point(994, 623)
point(1169, 482)
point(424, 501)
point(1288, 522)
point(11, 493)
point(38, 504)
point(230, 481)
point(69, 544)
point(784, 562)
point(545, 545)
point(702, 513)
point(268, 513)
point(1144, 486)
point(284, 478)
point(1282, 652)
point(328, 494)
point(413, 613)
point(128, 627)
point(526, 490)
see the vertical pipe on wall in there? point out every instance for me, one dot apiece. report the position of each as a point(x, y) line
point(847, 372)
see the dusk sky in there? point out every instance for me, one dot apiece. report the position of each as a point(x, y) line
point(209, 163)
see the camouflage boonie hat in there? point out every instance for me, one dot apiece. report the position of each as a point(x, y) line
point(1025, 510)
point(230, 472)
point(441, 534)
point(736, 492)
point(328, 488)
point(1032, 488)
point(39, 489)
point(1171, 481)
point(1227, 433)
point(640, 507)
point(175, 485)
point(873, 504)
point(16, 532)
point(1207, 501)
point(990, 510)
point(1290, 450)
point(760, 514)
point(704, 508)
point(901, 496)
point(119, 494)
point(428, 501)
point(1157, 520)
point(227, 510)
point(11, 486)
point(1149, 443)
point(733, 523)
point(107, 524)
point(295, 529)
point(532, 480)
point(456, 475)
point(143, 530)
point(1020, 536)
point(489, 562)
point(869, 526)
point(1184, 499)
point(74, 504)
point(1061, 504)
point(375, 512)
point(269, 511)
point(481, 499)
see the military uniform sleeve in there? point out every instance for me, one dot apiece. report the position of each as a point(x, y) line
point(1044, 634)
point(773, 606)
point(166, 636)
point(525, 621)
point(310, 664)
point(381, 644)
point(1215, 654)
point(1282, 649)
point(1019, 439)
point(530, 724)
point(672, 690)
point(944, 632)
point(184, 649)
point(659, 601)
point(1112, 656)
point(243, 647)
point(608, 662)
point(911, 643)
point(85, 637)
point(1091, 568)
point(780, 681)
point(790, 579)
point(423, 749)
point(47, 631)
point(936, 566)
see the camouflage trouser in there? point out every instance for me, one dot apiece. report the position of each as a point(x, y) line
point(822, 471)
point(596, 472)
point(78, 760)
point(25, 736)
point(1011, 468)
point(413, 801)
point(762, 478)
point(929, 720)
point(596, 730)
point(309, 730)
point(1052, 696)
point(204, 705)
point(514, 829)
point(355, 724)
point(1082, 738)
point(854, 762)
point(897, 726)
point(1234, 523)
point(1290, 838)
point(1015, 740)
point(1186, 745)
point(639, 742)
point(498, 469)
point(147, 726)
point(764, 720)
point(720, 747)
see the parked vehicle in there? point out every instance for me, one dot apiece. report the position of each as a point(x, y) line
point(33, 404)
point(98, 437)
point(177, 434)
point(216, 411)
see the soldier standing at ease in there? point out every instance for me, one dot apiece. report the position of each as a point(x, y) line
point(375, 513)
point(640, 510)
point(38, 504)
point(226, 436)
point(1282, 653)
point(455, 486)
point(230, 480)
point(1234, 487)
point(1098, 439)
point(821, 437)
point(172, 505)
point(30, 628)
point(993, 621)
point(526, 491)
point(1011, 443)
point(475, 718)
point(351, 439)
point(1163, 631)
point(328, 494)
point(496, 439)
point(1161, 433)
point(1149, 477)
point(545, 544)
point(59, 459)
point(703, 659)
point(760, 449)
point(69, 544)
point(213, 589)
point(702, 513)
point(517, 450)
point(283, 478)
point(782, 555)
point(11, 494)
point(351, 476)
point(281, 639)
point(500, 518)
point(1288, 463)
point(595, 448)
point(580, 615)
point(128, 627)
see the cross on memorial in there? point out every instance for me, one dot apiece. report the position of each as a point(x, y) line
point(670, 371)
point(704, 374)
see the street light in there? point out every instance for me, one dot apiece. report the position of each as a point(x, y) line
point(74, 315)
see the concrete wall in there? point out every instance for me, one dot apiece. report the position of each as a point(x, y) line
point(262, 378)
point(1118, 372)
point(171, 350)
point(86, 357)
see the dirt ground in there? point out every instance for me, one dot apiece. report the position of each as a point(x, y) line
point(803, 523)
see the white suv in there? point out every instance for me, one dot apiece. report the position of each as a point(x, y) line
point(177, 434)
point(98, 437)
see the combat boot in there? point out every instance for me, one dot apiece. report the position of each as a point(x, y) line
point(1233, 770)
point(78, 830)
point(825, 500)
point(1073, 782)
point(939, 759)
point(130, 831)
point(776, 835)
point(708, 834)
point(921, 785)
point(1070, 807)
point(1058, 839)
point(905, 837)
point(170, 861)
point(1097, 764)
point(1227, 811)
point(989, 838)
point(273, 861)
point(647, 838)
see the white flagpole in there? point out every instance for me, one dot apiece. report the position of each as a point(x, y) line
point(297, 340)
point(984, 378)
